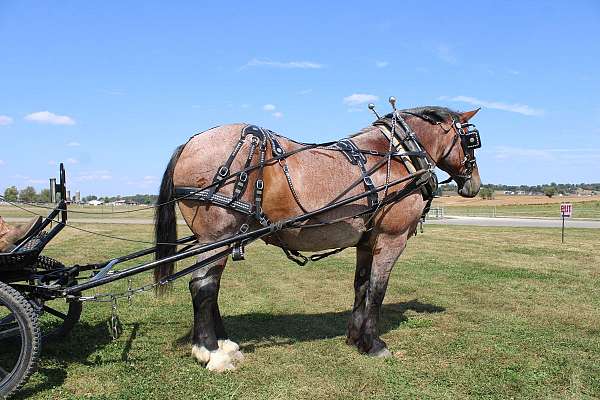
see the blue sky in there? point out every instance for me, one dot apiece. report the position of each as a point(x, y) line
point(111, 88)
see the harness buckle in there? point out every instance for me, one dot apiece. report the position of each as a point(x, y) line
point(244, 228)
point(243, 177)
point(223, 171)
point(368, 181)
point(260, 184)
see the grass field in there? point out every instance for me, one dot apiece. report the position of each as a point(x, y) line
point(470, 313)
point(77, 211)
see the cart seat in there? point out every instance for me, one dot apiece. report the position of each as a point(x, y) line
point(25, 256)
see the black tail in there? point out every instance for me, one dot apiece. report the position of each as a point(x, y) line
point(165, 220)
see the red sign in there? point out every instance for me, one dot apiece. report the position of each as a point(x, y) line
point(566, 209)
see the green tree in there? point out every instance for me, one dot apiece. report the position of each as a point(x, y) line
point(28, 194)
point(11, 193)
point(550, 191)
point(44, 196)
point(486, 193)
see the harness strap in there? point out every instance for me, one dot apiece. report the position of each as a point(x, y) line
point(356, 157)
point(241, 182)
point(223, 171)
point(260, 185)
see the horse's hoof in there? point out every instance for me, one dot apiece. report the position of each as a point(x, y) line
point(381, 353)
point(228, 346)
point(201, 354)
point(220, 361)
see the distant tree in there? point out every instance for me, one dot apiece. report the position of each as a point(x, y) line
point(44, 196)
point(28, 194)
point(550, 191)
point(11, 193)
point(486, 193)
point(89, 198)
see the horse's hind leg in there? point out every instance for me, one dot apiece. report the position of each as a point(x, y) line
point(210, 345)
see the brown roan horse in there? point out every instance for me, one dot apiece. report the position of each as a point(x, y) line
point(319, 175)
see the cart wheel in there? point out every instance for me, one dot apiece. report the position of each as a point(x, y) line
point(20, 340)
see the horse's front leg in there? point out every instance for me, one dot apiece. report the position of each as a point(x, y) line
point(210, 345)
point(362, 277)
point(363, 328)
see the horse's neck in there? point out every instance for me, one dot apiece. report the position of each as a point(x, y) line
point(423, 131)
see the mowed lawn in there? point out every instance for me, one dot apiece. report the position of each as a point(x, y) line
point(470, 313)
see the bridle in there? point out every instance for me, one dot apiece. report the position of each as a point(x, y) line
point(469, 140)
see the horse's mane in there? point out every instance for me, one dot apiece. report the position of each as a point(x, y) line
point(438, 114)
point(435, 113)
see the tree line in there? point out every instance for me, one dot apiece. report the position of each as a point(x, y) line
point(30, 195)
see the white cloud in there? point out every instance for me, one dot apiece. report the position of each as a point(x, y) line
point(5, 120)
point(278, 114)
point(278, 64)
point(381, 64)
point(2, 162)
point(305, 91)
point(52, 162)
point(445, 54)
point(146, 182)
point(73, 144)
point(47, 117)
point(497, 105)
point(72, 161)
point(269, 107)
point(357, 99)
point(92, 176)
point(245, 105)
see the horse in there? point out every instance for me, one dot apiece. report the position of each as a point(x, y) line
point(305, 179)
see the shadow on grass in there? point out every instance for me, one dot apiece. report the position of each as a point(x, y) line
point(263, 330)
point(57, 354)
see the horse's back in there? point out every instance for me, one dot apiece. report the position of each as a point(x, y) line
point(204, 153)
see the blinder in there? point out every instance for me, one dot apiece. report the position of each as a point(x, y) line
point(469, 136)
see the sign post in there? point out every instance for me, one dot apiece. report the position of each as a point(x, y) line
point(565, 211)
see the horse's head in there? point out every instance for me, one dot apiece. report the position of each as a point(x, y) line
point(451, 143)
point(458, 153)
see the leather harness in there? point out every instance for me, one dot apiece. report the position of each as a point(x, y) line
point(403, 144)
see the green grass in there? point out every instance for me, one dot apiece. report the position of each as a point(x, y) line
point(589, 209)
point(470, 313)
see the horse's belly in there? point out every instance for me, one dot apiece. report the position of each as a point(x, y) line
point(340, 234)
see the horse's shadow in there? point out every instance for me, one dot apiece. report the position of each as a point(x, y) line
point(255, 330)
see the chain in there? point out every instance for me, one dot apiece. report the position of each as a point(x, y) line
point(114, 323)
point(110, 297)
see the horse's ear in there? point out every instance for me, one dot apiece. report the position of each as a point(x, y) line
point(467, 115)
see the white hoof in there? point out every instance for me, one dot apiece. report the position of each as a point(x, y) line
point(220, 361)
point(201, 354)
point(237, 356)
point(229, 346)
